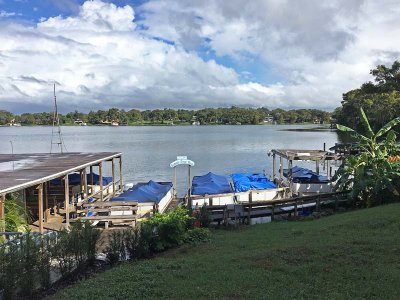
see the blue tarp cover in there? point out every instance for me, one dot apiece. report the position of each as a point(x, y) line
point(244, 182)
point(75, 179)
point(303, 175)
point(145, 192)
point(210, 184)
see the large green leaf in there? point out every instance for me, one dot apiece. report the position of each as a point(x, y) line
point(348, 129)
point(388, 127)
point(365, 121)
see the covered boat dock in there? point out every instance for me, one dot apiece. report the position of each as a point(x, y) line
point(291, 155)
point(43, 179)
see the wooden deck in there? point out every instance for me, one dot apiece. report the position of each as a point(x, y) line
point(246, 211)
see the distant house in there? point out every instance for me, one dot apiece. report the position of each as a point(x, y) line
point(13, 123)
point(196, 123)
point(79, 122)
point(318, 121)
point(268, 119)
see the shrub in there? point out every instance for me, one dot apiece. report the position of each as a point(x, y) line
point(168, 229)
point(137, 241)
point(205, 218)
point(44, 261)
point(116, 249)
point(29, 254)
point(10, 262)
point(197, 235)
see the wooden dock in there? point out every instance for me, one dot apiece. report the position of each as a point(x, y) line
point(244, 212)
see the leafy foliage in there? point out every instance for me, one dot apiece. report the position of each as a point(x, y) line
point(232, 115)
point(371, 175)
point(380, 100)
point(16, 216)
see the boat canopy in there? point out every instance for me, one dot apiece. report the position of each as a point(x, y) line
point(145, 192)
point(210, 184)
point(244, 182)
point(303, 175)
point(75, 179)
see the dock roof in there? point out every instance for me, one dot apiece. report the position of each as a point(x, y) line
point(19, 171)
point(302, 154)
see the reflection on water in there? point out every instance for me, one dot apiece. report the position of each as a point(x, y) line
point(148, 150)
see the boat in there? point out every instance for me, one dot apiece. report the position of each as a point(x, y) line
point(305, 181)
point(80, 123)
point(150, 196)
point(212, 189)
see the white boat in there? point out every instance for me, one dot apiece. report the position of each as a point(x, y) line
point(212, 189)
point(150, 196)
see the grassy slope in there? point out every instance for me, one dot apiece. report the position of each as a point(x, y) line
point(352, 255)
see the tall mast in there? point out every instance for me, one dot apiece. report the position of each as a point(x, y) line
point(56, 135)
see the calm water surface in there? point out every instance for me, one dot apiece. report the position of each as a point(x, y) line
point(148, 150)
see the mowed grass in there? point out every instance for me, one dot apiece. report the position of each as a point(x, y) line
point(354, 255)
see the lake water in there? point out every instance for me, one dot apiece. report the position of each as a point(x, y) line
point(148, 150)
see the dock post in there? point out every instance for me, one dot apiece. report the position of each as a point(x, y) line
point(91, 179)
point(66, 203)
point(121, 183)
point(2, 213)
point(317, 166)
point(46, 202)
point(40, 207)
point(174, 183)
point(249, 211)
point(101, 180)
point(318, 203)
point(295, 208)
point(280, 167)
point(113, 174)
point(273, 166)
point(86, 190)
point(189, 178)
point(290, 173)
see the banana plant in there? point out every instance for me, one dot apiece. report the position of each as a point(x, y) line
point(371, 175)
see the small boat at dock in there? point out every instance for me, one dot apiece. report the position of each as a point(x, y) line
point(212, 189)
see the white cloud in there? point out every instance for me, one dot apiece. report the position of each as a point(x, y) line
point(6, 14)
point(100, 57)
point(321, 48)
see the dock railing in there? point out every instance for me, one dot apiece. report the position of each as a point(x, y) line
point(271, 208)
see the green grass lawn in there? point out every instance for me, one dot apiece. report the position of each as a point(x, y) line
point(354, 255)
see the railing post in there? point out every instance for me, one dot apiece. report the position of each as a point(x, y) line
point(40, 206)
point(101, 180)
point(66, 201)
point(113, 174)
point(249, 210)
point(121, 184)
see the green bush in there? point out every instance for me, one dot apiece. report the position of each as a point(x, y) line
point(116, 249)
point(76, 247)
point(168, 229)
point(29, 255)
point(138, 241)
point(10, 268)
point(197, 235)
point(205, 218)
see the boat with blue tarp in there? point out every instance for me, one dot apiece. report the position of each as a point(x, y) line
point(213, 189)
point(305, 181)
point(148, 195)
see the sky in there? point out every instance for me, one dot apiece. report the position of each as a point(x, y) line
point(191, 53)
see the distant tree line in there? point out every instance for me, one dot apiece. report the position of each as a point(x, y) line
point(379, 99)
point(233, 115)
